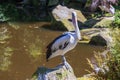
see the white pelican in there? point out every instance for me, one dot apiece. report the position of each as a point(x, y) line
point(65, 42)
point(109, 9)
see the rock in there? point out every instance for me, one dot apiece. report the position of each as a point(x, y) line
point(90, 32)
point(87, 34)
point(96, 36)
point(100, 22)
point(105, 22)
point(62, 13)
point(102, 39)
point(98, 40)
point(58, 73)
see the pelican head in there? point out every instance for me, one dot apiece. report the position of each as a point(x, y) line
point(112, 10)
point(75, 24)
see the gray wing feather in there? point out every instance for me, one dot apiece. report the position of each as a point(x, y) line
point(61, 42)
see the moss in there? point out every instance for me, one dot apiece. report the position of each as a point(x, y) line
point(105, 22)
point(86, 78)
point(60, 76)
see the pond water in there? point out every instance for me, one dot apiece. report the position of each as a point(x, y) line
point(23, 47)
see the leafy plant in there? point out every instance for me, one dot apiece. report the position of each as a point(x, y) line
point(24, 12)
point(114, 62)
point(115, 47)
point(8, 12)
point(99, 65)
point(116, 22)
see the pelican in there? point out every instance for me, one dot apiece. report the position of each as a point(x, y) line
point(111, 9)
point(65, 42)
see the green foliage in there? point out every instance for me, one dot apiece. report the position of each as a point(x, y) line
point(114, 69)
point(115, 47)
point(114, 61)
point(109, 64)
point(8, 12)
point(99, 65)
point(66, 1)
point(31, 12)
point(116, 22)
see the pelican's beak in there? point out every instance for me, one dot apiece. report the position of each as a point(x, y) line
point(73, 18)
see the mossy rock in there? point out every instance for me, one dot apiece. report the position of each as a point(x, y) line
point(58, 73)
point(103, 38)
point(100, 22)
point(105, 22)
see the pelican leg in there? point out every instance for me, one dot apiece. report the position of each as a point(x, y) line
point(64, 59)
point(66, 64)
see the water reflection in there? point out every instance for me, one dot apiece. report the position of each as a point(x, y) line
point(5, 54)
point(5, 50)
point(24, 51)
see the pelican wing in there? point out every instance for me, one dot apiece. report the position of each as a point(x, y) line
point(58, 44)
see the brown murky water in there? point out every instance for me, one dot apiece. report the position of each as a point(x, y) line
point(22, 51)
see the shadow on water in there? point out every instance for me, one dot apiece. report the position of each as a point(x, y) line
point(23, 47)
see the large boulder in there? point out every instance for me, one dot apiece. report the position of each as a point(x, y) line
point(98, 40)
point(62, 13)
point(102, 39)
point(96, 36)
